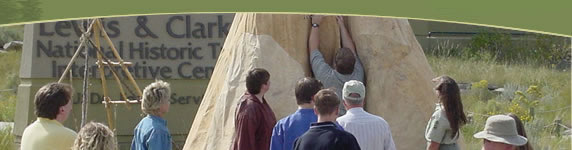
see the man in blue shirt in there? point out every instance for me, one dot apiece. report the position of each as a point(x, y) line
point(296, 124)
point(325, 134)
point(152, 133)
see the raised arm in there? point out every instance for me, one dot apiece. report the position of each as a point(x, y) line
point(314, 39)
point(347, 40)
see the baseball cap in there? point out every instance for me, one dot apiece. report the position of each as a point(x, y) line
point(353, 86)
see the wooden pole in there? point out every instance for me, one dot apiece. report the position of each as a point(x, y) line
point(121, 90)
point(85, 86)
point(118, 57)
point(81, 44)
point(102, 76)
point(112, 69)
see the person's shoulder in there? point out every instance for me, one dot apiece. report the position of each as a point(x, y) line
point(250, 104)
point(147, 124)
point(159, 131)
point(29, 131)
point(441, 114)
point(65, 133)
point(249, 107)
point(248, 101)
point(153, 130)
point(31, 127)
point(345, 135)
point(383, 123)
point(70, 133)
point(284, 120)
point(343, 119)
point(437, 113)
point(342, 133)
point(377, 118)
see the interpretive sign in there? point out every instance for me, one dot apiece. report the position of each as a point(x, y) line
point(181, 49)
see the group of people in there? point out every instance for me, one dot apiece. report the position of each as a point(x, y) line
point(330, 114)
point(335, 91)
point(330, 111)
point(53, 105)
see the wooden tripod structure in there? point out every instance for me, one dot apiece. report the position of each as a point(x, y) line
point(97, 29)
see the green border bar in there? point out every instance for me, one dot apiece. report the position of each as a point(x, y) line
point(551, 17)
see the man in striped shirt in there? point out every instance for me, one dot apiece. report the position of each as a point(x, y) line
point(372, 132)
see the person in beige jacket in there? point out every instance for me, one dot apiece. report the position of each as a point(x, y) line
point(53, 105)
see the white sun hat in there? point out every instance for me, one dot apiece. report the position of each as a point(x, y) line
point(501, 128)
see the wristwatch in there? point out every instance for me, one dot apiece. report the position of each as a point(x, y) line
point(315, 25)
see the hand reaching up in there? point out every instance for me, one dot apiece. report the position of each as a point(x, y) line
point(340, 20)
point(317, 19)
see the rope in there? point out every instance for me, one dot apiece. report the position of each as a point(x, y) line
point(7, 90)
point(85, 78)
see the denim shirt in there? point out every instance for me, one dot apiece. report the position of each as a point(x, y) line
point(151, 134)
point(291, 127)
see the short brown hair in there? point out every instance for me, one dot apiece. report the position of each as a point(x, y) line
point(306, 88)
point(255, 78)
point(345, 61)
point(50, 98)
point(326, 101)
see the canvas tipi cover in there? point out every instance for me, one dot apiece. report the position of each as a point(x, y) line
point(397, 73)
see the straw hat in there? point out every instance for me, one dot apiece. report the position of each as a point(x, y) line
point(501, 128)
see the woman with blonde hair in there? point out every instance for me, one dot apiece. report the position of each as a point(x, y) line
point(152, 131)
point(95, 136)
point(442, 130)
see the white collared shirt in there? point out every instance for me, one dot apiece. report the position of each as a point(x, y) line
point(372, 132)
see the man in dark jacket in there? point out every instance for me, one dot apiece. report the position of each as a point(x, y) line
point(324, 135)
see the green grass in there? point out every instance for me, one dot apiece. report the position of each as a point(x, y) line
point(11, 33)
point(9, 69)
point(9, 80)
point(553, 84)
point(6, 139)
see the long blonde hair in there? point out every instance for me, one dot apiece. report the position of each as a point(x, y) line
point(95, 136)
